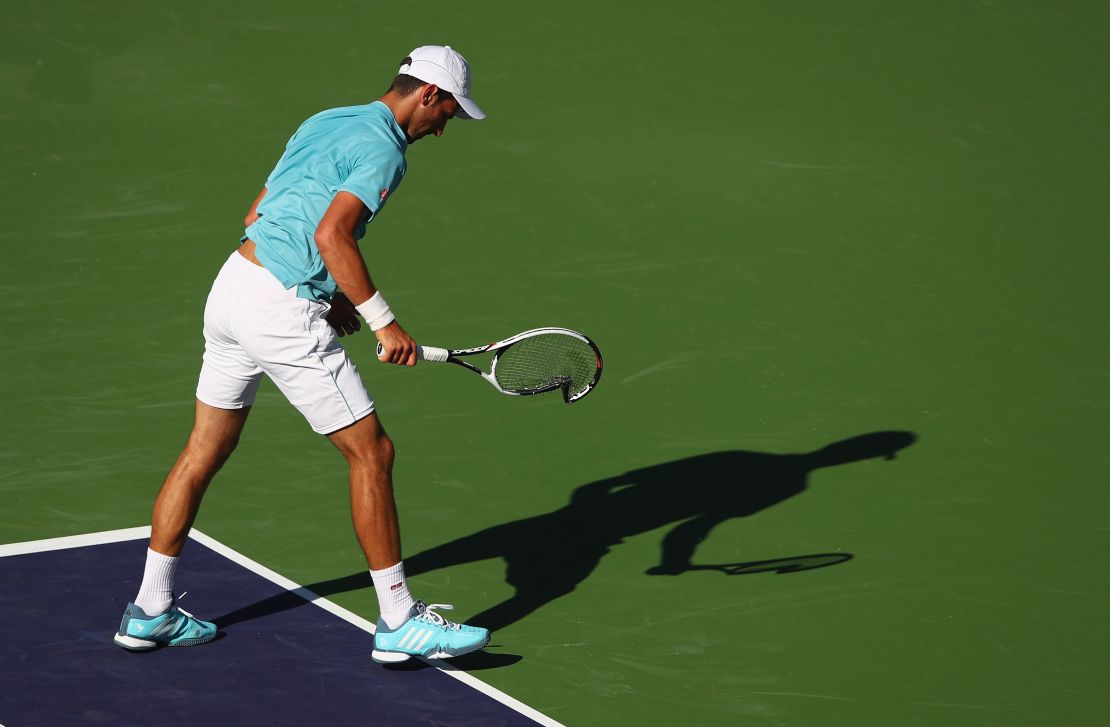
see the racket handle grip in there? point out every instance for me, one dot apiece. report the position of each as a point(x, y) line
point(431, 353)
point(424, 353)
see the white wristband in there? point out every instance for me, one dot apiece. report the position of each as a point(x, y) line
point(376, 312)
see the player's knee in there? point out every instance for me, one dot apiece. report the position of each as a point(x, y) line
point(223, 451)
point(380, 452)
point(211, 455)
point(365, 444)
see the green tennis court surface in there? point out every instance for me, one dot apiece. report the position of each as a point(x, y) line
point(788, 225)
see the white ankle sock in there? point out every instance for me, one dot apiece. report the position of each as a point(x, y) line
point(156, 592)
point(394, 598)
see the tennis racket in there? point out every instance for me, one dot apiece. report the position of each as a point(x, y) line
point(532, 362)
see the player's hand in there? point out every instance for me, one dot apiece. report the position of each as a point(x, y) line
point(342, 316)
point(397, 345)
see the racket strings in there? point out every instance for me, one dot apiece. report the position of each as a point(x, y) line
point(547, 361)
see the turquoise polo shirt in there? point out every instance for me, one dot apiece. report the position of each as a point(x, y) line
point(356, 149)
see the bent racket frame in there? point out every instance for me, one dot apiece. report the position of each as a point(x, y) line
point(499, 348)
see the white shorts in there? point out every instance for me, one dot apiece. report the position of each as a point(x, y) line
point(253, 325)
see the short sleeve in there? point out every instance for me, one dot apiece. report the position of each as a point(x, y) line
point(374, 174)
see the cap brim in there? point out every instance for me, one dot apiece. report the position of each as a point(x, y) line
point(468, 109)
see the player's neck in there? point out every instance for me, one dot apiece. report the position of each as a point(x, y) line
point(402, 108)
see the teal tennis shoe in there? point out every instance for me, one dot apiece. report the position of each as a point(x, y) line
point(176, 627)
point(426, 634)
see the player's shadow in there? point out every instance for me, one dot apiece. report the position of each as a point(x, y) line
point(548, 555)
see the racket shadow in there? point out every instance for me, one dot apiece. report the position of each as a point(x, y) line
point(548, 555)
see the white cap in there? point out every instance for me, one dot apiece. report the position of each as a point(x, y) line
point(446, 68)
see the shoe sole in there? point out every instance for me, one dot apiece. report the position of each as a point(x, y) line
point(389, 657)
point(132, 644)
point(399, 657)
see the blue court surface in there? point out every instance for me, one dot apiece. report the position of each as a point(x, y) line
point(279, 660)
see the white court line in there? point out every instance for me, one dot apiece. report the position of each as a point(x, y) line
point(115, 536)
point(74, 541)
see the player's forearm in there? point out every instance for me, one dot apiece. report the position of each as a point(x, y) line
point(344, 261)
point(335, 239)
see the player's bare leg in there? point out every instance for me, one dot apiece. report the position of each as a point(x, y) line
point(214, 437)
point(369, 452)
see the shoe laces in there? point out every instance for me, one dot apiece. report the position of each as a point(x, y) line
point(176, 600)
point(428, 613)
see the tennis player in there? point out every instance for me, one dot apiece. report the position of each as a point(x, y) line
point(297, 282)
